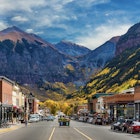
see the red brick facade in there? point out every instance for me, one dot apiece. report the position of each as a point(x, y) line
point(137, 93)
point(117, 98)
point(6, 87)
point(35, 106)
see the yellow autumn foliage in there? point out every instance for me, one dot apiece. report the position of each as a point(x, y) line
point(115, 73)
point(103, 72)
point(133, 54)
point(92, 83)
point(70, 67)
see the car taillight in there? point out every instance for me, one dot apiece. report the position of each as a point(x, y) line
point(135, 127)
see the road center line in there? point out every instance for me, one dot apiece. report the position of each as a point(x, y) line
point(83, 134)
point(51, 134)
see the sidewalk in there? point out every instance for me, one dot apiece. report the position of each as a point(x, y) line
point(11, 128)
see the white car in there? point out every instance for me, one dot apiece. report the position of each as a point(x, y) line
point(33, 119)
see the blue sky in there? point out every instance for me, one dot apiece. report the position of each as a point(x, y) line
point(85, 22)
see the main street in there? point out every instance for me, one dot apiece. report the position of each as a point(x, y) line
point(76, 131)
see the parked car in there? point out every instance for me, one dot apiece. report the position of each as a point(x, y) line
point(117, 125)
point(90, 120)
point(126, 124)
point(134, 127)
point(33, 119)
point(81, 119)
point(50, 118)
point(98, 120)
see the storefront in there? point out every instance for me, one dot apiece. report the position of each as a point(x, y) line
point(137, 103)
point(5, 113)
point(121, 105)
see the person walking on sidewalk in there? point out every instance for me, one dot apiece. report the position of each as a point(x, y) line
point(26, 120)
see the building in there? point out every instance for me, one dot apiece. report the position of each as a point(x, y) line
point(6, 88)
point(137, 103)
point(120, 105)
point(36, 105)
point(97, 102)
point(116, 105)
point(18, 103)
point(32, 103)
point(14, 104)
point(82, 110)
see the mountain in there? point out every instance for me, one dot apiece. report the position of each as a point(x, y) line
point(130, 39)
point(122, 71)
point(120, 74)
point(28, 59)
point(15, 34)
point(97, 59)
point(72, 49)
point(43, 67)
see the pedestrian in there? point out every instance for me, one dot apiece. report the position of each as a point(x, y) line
point(26, 120)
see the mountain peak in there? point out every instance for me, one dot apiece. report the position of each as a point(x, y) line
point(12, 29)
point(16, 34)
point(130, 39)
point(71, 49)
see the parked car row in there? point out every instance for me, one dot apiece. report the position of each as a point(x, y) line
point(37, 117)
point(126, 125)
point(94, 120)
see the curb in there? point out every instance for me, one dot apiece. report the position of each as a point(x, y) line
point(4, 130)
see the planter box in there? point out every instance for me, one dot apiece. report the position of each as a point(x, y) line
point(64, 122)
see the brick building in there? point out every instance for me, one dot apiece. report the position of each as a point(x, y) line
point(120, 105)
point(36, 105)
point(6, 87)
point(14, 104)
point(137, 102)
point(93, 102)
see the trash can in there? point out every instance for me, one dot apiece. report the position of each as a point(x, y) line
point(60, 123)
point(67, 123)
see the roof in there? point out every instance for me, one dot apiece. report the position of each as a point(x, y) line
point(97, 95)
point(6, 79)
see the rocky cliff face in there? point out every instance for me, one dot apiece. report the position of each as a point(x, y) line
point(130, 39)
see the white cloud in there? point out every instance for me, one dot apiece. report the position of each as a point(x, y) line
point(3, 25)
point(27, 5)
point(101, 34)
point(24, 5)
point(89, 3)
point(30, 31)
point(19, 19)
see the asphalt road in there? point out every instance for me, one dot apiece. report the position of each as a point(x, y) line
point(76, 131)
